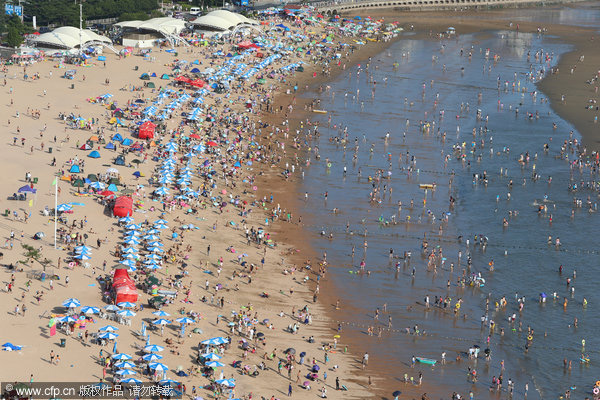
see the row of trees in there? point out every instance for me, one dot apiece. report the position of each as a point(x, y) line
point(66, 12)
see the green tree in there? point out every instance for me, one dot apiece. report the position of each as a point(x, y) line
point(14, 38)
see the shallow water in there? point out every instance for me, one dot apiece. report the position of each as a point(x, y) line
point(529, 265)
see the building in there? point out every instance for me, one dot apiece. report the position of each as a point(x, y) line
point(143, 34)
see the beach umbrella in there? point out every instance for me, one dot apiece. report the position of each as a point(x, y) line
point(108, 335)
point(130, 250)
point(64, 207)
point(97, 185)
point(167, 382)
point(161, 221)
point(124, 372)
point(161, 321)
point(152, 234)
point(82, 248)
point(111, 307)
point(155, 243)
point(152, 357)
point(185, 320)
point(214, 364)
point(161, 313)
point(82, 257)
point(132, 227)
point(211, 356)
point(121, 356)
point(126, 304)
point(153, 267)
point(8, 346)
point(155, 249)
point(83, 251)
point(126, 313)
point(153, 348)
point(108, 328)
point(161, 226)
point(291, 350)
point(153, 256)
point(71, 303)
point(90, 310)
point(128, 263)
point(132, 240)
point(131, 380)
point(125, 365)
point(226, 382)
point(126, 219)
point(67, 319)
point(158, 366)
point(162, 190)
point(396, 393)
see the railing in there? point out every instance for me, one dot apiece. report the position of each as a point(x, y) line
point(344, 5)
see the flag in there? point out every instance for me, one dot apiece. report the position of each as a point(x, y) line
point(54, 182)
point(115, 348)
point(31, 203)
point(52, 325)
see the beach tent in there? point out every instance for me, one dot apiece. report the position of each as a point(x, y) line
point(112, 187)
point(85, 147)
point(117, 138)
point(94, 154)
point(145, 77)
point(127, 142)
point(153, 75)
point(27, 188)
point(165, 76)
point(92, 177)
point(120, 160)
point(78, 183)
point(151, 85)
point(10, 347)
point(74, 169)
point(146, 130)
point(197, 83)
point(110, 146)
point(194, 70)
point(123, 206)
point(123, 286)
point(183, 79)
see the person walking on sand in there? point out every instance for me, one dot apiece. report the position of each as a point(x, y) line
point(289, 390)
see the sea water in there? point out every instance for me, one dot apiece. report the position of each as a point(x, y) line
point(525, 265)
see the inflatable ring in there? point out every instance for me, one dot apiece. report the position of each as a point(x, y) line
point(530, 338)
point(597, 383)
point(596, 390)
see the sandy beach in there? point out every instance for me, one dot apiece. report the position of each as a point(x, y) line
point(264, 287)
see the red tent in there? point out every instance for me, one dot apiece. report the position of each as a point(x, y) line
point(123, 206)
point(124, 287)
point(182, 78)
point(246, 44)
point(146, 130)
point(197, 82)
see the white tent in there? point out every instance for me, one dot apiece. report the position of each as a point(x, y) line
point(220, 21)
point(68, 37)
point(145, 33)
